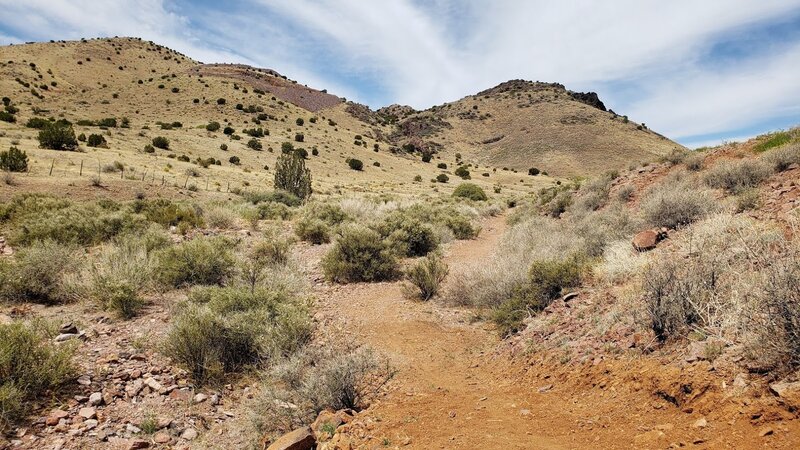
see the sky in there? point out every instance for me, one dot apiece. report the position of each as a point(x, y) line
point(699, 72)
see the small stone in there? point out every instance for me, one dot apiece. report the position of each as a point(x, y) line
point(55, 416)
point(65, 337)
point(133, 429)
point(525, 412)
point(153, 384)
point(645, 240)
point(161, 438)
point(545, 388)
point(84, 380)
point(87, 413)
point(700, 423)
point(138, 444)
point(200, 398)
point(90, 424)
point(766, 431)
point(299, 439)
point(96, 399)
point(189, 434)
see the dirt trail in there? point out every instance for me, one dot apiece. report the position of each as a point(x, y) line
point(443, 396)
point(454, 390)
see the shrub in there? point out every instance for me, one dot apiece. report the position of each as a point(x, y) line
point(781, 159)
point(228, 130)
point(441, 178)
point(119, 276)
point(223, 147)
point(533, 171)
point(427, 275)
point(234, 160)
point(37, 123)
point(470, 191)
point(254, 144)
point(409, 236)
point(32, 367)
point(213, 126)
point(167, 213)
point(461, 171)
point(161, 142)
point(773, 140)
point(736, 176)
point(204, 261)
point(291, 175)
point(95, 140)
point(694, 161)
point(359, 255)
point(42, 218)
point(299, 137)
point(37, 274)
point(676, 204)
point(335, 377)
point(58, 136)
point(220, 101)
point(284, 197)
point(7, 117)
point(747, 200)
point(223, 330)
point(312, 230)
point(546, 281)
point(299, 122)
point(14, 160)
point(355, 164)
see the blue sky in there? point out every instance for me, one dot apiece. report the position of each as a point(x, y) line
point(700, 72)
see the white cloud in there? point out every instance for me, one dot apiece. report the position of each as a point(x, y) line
point(647, 58)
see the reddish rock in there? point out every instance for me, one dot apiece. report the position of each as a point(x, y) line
point(55, 416)
point(299, 439)
point(645, 240)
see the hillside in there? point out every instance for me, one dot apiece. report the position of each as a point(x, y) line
point(159, 92)
point(521, 124)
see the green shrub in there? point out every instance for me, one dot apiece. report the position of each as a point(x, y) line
point(355, 164)
point(291, 175)
point(38, 273)
point(533, 171)
point(58, 136)
point(41, 218)
point(312, 230)
point(470, 191)
point(273, 211)
point(32, 367)
point(409, 236)
point(359, 255)
point(213, 126)
point(283, 197)
point(95, 140)
point(427, 275)
point(441, 178)
point(200, 261)
point(167, 213)
point(223, 330)
point(736, 176)
point(547, 279)
point(254, 144)
point(773, 140)
point(161, 142)
point(234, 160)
point(120, 275)
point(14, 160)
point(330, 213)
point(463, 172)
point(37, 123)
point(6, 116)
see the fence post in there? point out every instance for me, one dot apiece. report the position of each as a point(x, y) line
point(53, 163)
point(81, 173)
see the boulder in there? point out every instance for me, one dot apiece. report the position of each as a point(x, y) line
point(299, 439)
point(645, 240)
point(326, 424)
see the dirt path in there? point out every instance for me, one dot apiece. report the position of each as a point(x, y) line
point(455, 391)
point(443, 396)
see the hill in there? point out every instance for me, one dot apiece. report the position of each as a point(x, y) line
point(149, 91)
point(521, 124)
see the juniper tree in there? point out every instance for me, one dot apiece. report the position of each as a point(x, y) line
point(291, 175)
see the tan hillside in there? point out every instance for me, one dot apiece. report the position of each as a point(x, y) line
point(521, 124)
point(149, 84)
